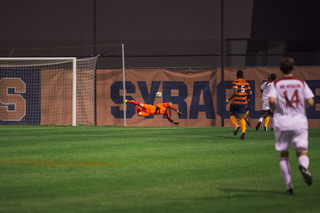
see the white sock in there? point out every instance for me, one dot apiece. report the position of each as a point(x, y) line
point(260, 119)
point(304, 161)
point(286, 172)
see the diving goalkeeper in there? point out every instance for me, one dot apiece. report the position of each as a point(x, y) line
point(148, 109)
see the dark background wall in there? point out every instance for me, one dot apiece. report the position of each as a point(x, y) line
point(288, 26)
point(167, 33)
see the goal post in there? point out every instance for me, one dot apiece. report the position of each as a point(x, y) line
point(47, 91)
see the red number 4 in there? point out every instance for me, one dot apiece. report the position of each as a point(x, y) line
point(294, 99)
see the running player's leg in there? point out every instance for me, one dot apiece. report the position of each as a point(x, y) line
point(243, 125)
point(246, 117)
point(303, 167)
point(233, 118)
point(300, 144)
point(259, 122)
point(282, 145)
point(265, 108)
point(242, 122)
point(234, 122)
point(286, 170)
point(266, 122)
point(262, 116)
point(303, 159)
point(242, 112)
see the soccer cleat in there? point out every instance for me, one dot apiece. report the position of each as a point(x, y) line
point(179, 113)
point(125, 100)
point(258, 125)
point(265, 128)
point(289, 191)
point(236, 130)
point(306, 175)
point(242, 135)
point(247, 121)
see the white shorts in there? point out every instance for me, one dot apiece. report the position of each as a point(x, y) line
point(298, 139)
point(265, 104)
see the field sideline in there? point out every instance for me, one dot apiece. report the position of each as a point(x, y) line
point(149, 169)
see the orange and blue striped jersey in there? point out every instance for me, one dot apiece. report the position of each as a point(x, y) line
point(243, 89)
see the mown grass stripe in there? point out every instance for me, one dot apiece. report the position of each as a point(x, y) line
point(52, 163)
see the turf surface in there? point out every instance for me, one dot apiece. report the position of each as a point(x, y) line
point(149, 169)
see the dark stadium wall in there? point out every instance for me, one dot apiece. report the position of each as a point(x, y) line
point(288, 26)
point(180, 33)
point(292, 20)
point(40, 28)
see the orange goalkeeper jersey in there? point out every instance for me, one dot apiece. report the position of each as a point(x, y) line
point(243, 89)
point(161, 108)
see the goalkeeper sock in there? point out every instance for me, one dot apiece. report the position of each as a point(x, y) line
point(233, 120)
point(134, 102)
point(286, 171)
point(137, 105)
point(138, 109)
point(243, 125)
point(266, 122)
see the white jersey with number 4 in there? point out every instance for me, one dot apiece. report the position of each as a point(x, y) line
point(290, 94)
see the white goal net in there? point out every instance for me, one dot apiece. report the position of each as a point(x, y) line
point(47, 91)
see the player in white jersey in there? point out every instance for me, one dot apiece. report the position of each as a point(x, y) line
point(265, 112)
point(288, 99)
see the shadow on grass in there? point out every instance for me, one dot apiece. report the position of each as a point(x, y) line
point(249, 190)
point(239, 193)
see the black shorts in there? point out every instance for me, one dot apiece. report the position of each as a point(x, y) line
point(266, 113)
point(239, 108)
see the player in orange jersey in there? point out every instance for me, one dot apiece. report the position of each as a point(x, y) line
point(148, 109)
point(239, 101)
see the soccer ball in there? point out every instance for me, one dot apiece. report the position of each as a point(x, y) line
point(158, 94)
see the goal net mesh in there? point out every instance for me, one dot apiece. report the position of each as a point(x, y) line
point(40, 92)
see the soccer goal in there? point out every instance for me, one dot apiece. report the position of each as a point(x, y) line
point(47, 91)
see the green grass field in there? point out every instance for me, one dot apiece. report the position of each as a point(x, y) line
point(149, 169)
